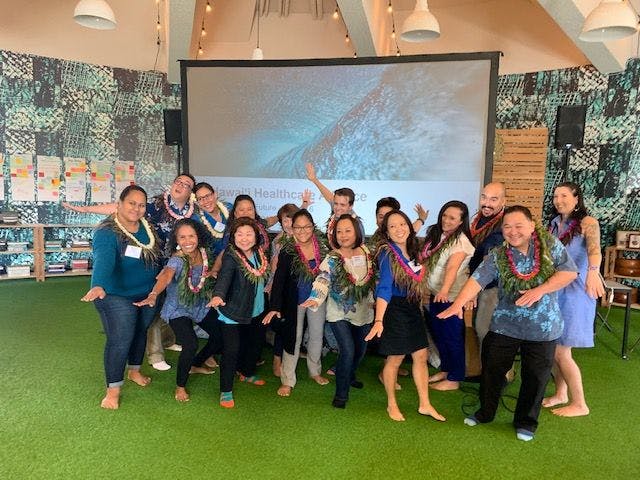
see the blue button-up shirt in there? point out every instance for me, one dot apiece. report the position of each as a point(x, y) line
point(540, 322)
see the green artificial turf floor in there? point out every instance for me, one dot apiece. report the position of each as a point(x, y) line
point(52, 427)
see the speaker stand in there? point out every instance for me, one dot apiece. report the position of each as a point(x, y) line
point(565, 162)
point(179, 159)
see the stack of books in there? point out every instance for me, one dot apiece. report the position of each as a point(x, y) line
point(80, 243)
point(9, 217)
point(17, 246)
point(56, 268)
point(53, 245)
point(18, 271)
point(80, 265)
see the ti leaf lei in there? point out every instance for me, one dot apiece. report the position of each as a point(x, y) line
point(430, 256)
point(346, 282)
point(188, 296)
point(299, 266)
point(414, 283)
point(254, 275)
point(514, 281)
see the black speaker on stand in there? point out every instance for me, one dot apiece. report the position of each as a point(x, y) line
point(569, 132)
point(173, 132)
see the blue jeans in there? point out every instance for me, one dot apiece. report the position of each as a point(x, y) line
point(351, 350)
point(125, 327)
point(448, 335)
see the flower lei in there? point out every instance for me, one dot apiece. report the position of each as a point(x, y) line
point(264, 235)
point(187, 293)
point(254, 275)
point(150, 251)
point(512, 280)
point(205, 221)
point(479, 234)
point(414, 283)
point(331, 225)
point(432, 255)
point(300, 265)
point(566, 236)
point(347, 283)
point(192, 201)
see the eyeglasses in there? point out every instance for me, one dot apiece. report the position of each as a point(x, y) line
point(183, 184)
point(206, 197)
point(304, 228)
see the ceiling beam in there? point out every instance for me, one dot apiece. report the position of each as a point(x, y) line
point(355, 18)
point(180, 21)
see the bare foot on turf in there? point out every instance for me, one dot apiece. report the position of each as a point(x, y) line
point(202, 370)
point(395, 413)
point(571, 411)
point(397, 386)
point(429, 411)
point(553, 401)
point(438, 377)
point(211, 362)
point(111, 400)
point(403, 372)
point(277, 366)
point(181, 394)
point(284, 390)
point(320, 380)
point(445, 385)
point(136, 377)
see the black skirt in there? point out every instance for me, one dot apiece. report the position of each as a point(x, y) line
point(404, 331)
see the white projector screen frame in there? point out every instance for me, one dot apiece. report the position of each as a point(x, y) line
point(420, 128)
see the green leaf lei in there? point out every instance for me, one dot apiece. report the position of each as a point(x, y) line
point(299, 268)
point(429, 257)
point(185, 295)
point(510, 281)
point(254, 275)
point(346, 282)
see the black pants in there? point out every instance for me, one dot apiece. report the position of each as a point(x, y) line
point(186, 336)
point(498, 353)
point(241, 349)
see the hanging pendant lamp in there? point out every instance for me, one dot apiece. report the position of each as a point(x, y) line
point(94, 14)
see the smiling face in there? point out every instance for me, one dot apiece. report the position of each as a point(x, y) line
point(382, 211)
point(397, 229)
point(245, 239)
point(206, 199)
point(345, 234)
point(302, 229)
point(181, 189)
point(133, 207)
point(341, 205)
point(451, 220)
point(492, 199)
point(517, 230)
point(244, 208)
point(187, 239)
point(287, 224)
point(564, 200)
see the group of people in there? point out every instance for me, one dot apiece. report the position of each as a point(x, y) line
point(187, 258)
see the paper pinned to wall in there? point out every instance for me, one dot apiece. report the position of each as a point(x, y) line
point(101, 181)
point(22, 181)
point(125, 175)
point(48, 178)
point(75, 179)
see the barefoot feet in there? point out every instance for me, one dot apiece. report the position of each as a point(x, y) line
point(181, 394)
point(554, 401)
point(445, 385)
point(395, 413)
point(397, 386)
point(429, 411)
point(277, 366)
point(438, 377)
point(203, 370)
point(111, 400)
point(284, 390)
point(571, 411)
point(320, 380)
point(136, 377)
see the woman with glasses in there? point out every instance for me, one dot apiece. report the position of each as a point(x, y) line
point(213, 214)
point(298, 264)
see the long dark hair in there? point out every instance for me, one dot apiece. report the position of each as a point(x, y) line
point(413, 248)
point(201, 232)
point(356, 228)
point(132, 188)
point(241, 222)
point(240, 198)
point(434, 232)
point(580, 211)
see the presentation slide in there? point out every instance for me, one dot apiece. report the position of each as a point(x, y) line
point(414, 130)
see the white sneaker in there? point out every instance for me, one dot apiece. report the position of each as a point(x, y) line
point(175, 347)
point(162, 366)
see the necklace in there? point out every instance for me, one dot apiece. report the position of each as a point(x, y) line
point(486, 228)
point(416, 277)
point(252, 273)
point(203, 274)
point(348, 284)
point(224, 214)
point(432, 255)
point(128, 234)
point(308, 272)
point(566, 236)
point(331, 224)
point(170, 211)
point(415, 284)
point(264, 235)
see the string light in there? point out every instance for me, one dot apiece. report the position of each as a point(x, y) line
point(393, 28)
point(355, 55)
point(335, 14)
point(393, 33)
point(346, 38)
point(203, 32)
point(208, 7)
point(390, 7)
point(200, 50)
point(158, 40)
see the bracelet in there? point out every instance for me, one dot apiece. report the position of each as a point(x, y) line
point(377, 321)
point(421, 220)
point(593, 268)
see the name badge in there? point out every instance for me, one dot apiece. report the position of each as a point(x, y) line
point(358, 260)
point(414, 266)
point(133, 251)
point(219, 227)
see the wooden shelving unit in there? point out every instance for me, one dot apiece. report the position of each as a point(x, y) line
point(610, 256)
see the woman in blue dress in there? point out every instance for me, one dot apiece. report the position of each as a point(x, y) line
point(580, 233)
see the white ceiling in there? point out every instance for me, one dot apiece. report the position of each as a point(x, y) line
point(534, 35)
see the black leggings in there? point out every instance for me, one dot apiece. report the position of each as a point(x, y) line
point(186, 336)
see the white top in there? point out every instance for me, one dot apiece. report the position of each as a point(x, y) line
point(436, 275)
